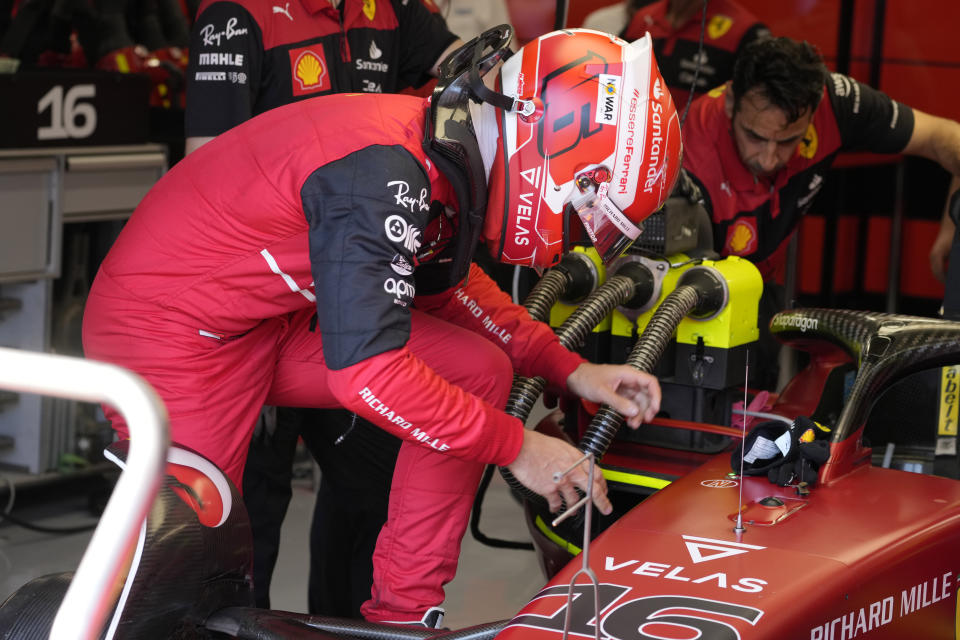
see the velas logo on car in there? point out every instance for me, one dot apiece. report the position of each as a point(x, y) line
point(704, 549)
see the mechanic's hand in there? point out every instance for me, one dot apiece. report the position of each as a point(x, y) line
point(541, 456)
point(631, 393)
point(940, 251)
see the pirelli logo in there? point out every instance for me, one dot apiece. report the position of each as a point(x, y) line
point(949, 400)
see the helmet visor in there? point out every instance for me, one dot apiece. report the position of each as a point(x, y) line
point(610, 230)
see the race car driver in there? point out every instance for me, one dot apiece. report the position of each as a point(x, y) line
point(247, 57)
point(288, 263)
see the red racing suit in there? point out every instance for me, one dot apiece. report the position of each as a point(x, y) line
point(755, 217)
point(729, 28)
point(281, 264)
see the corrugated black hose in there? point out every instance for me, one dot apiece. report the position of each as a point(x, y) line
point(644, 356)
point(613, 293)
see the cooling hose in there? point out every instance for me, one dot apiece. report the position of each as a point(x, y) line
point(572, 279)
point(613, 293)
point(644, 357)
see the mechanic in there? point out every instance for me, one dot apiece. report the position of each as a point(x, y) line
point(759, 147)
point(675, 26)
point(248, 56)
point(285, 263)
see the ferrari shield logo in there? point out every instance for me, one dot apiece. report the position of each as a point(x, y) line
point(809, 143)
point(716, 92)
point(718, 26)
point(370, 9)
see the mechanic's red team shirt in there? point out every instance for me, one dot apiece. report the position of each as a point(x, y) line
point(248, 56)
point(729, 28)
point(754, 217)
point(285, 213)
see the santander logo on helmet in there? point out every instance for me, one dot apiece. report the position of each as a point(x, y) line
point(603, 142)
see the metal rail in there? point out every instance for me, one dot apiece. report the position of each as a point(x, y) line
point(90, 597)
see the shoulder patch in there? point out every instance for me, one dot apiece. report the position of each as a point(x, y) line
point(809, 143)
point(718, 26)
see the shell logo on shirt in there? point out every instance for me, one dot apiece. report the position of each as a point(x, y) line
point(809, 142)
point(309, 68)
point(742, 237)
point(370, 9)
point(718, 26)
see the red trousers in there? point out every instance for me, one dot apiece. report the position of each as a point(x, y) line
point(214, 389)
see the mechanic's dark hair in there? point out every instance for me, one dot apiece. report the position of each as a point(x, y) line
point(788, 73)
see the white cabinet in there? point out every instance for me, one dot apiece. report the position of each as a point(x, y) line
point(43, 192)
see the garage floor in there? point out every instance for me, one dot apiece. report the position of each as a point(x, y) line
point(491, 584)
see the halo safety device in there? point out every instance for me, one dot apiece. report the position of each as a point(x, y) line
point(593, 131)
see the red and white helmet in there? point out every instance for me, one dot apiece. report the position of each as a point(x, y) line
point(599, 135)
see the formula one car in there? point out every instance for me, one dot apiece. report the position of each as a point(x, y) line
point(851, 550)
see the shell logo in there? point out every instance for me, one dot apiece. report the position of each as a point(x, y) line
point(808, 144)
point(370, 9)
point(718, 26)
point(742, 237)
point(716, 92)
point(309, 70)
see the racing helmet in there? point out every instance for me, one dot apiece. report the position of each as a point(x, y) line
point(596, 134)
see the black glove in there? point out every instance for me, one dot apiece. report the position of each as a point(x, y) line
point(784, 453)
